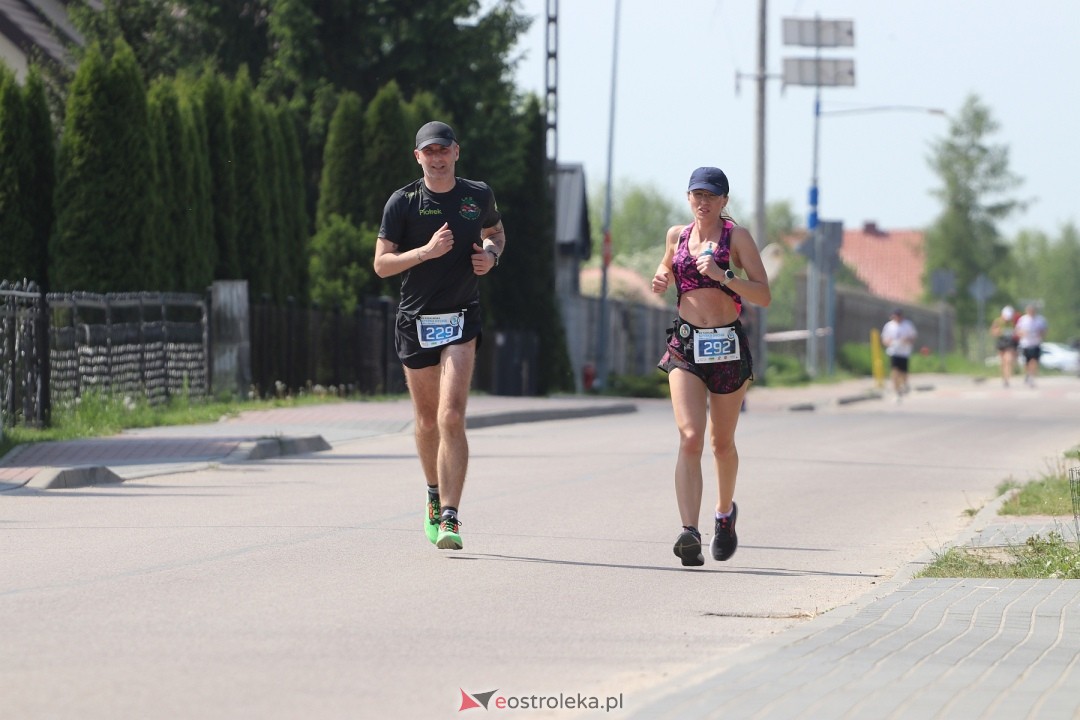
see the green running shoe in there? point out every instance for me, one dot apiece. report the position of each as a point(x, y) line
point(449, 539)
point(431, 520)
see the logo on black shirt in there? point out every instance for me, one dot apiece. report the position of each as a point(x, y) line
point(469, 209)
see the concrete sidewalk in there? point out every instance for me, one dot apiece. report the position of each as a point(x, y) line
point(256, 435)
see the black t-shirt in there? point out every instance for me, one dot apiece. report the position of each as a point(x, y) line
point(411, 217)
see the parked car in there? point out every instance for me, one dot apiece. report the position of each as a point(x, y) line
point(1056, 356)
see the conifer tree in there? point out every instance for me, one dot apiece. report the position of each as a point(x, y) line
point(101, 239)
point(222, 178)
point(281, 271)
point(388, 160)
point(295, 205)
point(16, 230)
point(341, 190)
point(42, 173)
point(520, 290)
point(169, 248)
point(253, 205)
point(200, 270)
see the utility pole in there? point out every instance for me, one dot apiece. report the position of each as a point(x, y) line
point(816, 72)
point(760, 225)
point(760, 233)
point(601, 352)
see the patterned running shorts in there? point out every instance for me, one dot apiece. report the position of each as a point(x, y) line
point(721, 378)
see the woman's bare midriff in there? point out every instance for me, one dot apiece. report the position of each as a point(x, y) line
point(708, 307)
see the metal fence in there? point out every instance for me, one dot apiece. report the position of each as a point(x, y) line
point(24, 372)
point(324, 349)
point(59, 346)
point(148, 344)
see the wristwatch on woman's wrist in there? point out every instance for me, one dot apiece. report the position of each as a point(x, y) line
point(729, 275)
point(494, 254)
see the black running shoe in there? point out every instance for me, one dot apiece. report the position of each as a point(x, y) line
point(688, 547)
point(724, 539)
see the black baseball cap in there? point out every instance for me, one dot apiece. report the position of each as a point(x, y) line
point(709, 178)
point(435, 132)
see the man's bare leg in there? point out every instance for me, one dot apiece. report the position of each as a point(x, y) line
point(440, 394)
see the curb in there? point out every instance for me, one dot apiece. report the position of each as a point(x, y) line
point(523, 416)
point(276, 447)
point(73, 477)
point(88, 475)
point(844, 400)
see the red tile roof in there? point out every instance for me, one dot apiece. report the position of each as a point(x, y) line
point(890, 262)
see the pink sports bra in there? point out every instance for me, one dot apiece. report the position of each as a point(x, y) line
point(684, 265)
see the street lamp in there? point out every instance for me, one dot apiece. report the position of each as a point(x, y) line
point(885, 108)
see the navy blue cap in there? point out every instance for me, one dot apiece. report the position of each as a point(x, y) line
point(435, 132)
point(709, 178)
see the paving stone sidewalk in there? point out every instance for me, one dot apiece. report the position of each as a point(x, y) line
point(922, 648)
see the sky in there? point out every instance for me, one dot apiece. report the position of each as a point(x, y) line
point(677, 106)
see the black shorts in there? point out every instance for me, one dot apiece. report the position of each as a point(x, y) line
point(1032, 353)
point(899, 362)
point(722, 378)
point(407, 343)
point(1006, 343)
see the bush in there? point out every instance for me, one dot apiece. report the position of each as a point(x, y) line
point(785, 370)
point(856, 358)
point(647, 386)
point(339, 264)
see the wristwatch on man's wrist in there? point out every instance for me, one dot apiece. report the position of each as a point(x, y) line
point(494, 254)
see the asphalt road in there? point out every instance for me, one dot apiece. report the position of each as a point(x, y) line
point(305, 587)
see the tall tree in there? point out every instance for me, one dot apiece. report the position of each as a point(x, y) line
point(102, 232)
point(298, 226)
point(17, 257)
point(296, 62)
point(41, 183)
point(388, 160)
point(277, 240)
point(200, 268)
point(976, 183)
point(423, 108)
point(253, 213)
point(1044, 272)
point(211, 93)
point(341, 190)
point(175, 229)
point(159, 267)
point(519, 292)
point(170, 36)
